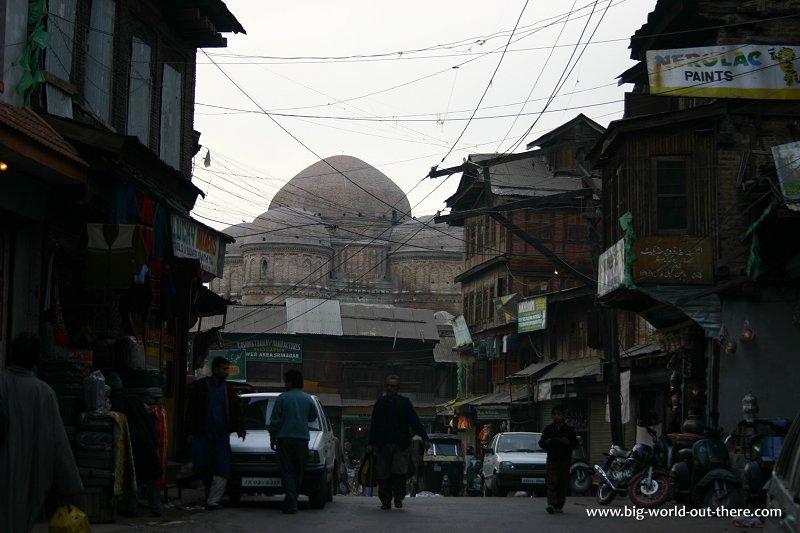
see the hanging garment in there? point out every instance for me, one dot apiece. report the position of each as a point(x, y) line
point(115, 252)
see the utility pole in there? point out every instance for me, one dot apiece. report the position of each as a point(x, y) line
point(608, 326)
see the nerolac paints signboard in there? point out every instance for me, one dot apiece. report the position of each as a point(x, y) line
point(532, 314)
point(758, 71)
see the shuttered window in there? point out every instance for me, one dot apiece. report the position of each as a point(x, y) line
point(99, 58)
point(140, 90)
point(671, 196)
point(170, 133)
point(58, 55)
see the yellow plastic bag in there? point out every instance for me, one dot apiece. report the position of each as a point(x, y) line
point(366, 472)
point(69, 519)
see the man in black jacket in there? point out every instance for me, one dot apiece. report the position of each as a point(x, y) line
point(559, 440)
point(393, 418)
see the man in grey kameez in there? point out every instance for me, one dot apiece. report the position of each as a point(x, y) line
point(35, 455)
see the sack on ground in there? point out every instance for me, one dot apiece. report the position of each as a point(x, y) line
point(366, 471)
point(69, 519)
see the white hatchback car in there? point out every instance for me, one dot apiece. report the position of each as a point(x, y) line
point(514, 461)
point(254, 464)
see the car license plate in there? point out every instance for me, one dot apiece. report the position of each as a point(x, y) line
point(533, 481)
point(261, 482)
point(437, 468)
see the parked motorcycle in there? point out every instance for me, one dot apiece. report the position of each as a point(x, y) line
point(580, 473)
point(762, 453)
point(702, 473)
point(639, 472)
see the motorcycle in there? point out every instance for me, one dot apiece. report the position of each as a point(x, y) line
point(473, 476)
point(702, 473)
point(639, 472)
point(580, 473)
point(764, 448)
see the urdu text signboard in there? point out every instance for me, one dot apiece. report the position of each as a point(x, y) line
point(679, 260)
point(532, 314)
point(759, 71)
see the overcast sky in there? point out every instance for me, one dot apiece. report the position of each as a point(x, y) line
point(395, 84)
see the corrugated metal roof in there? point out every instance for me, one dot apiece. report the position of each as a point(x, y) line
point(574, 368)
point(375, 320)
point(443, 351)
point(532, 177)
point(532, 370)
point(449, 408)
point(250, 319)
point(314, 316)
point(642, 349)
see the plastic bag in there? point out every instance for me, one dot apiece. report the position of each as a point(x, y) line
point(69, 519)
point(366, 471)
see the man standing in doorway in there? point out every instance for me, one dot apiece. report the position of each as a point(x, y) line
point(559, 440)
point(393, 417)
point(214, 412)
point(288, 431)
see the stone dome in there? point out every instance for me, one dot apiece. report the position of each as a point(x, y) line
point(237, 231)
point(364, 192)
point(287, 225)
point(422, 234)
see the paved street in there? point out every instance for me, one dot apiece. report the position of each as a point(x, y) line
point(419, 515)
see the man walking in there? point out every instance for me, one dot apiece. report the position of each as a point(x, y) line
point(393, 417)
point(288, 431)
point(34, 451)
point(214, 412)
point(559, 440)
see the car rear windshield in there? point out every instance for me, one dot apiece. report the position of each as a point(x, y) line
point(519, 443)
point(257, 412)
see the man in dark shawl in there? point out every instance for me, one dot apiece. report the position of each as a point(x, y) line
point(214, 412)
point(393, 419)
point(35, 455)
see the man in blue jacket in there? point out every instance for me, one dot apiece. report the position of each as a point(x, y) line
point(288, 430)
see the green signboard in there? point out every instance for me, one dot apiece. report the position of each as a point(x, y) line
point(238, 370)
point(273, 350)
point(532, 314)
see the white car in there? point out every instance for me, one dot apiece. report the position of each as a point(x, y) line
point(514, 461)
point(254, 464)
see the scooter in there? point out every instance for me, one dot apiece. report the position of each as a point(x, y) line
point(580, 473)
point(473, 476)
point(702, 473)
point(764, 449)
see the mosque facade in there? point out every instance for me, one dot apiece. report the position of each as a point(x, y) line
point(343, 230)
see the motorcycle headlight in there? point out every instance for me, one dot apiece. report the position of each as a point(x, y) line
point(507, 465)
point(313, 456)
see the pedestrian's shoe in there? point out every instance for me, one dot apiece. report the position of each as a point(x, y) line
point(289, 510)
point(559, 510)
point(550, 509)
point(398, 503)
point(385, 506)
point(213, 507)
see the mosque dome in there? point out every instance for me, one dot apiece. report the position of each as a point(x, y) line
point(344, 187)
point(287, 225)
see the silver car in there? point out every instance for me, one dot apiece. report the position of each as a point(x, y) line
point(254, 464)
point(514, 461)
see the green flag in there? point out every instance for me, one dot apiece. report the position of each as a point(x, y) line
point(207, 159)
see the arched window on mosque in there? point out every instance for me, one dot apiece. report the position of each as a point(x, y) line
point(264, 268)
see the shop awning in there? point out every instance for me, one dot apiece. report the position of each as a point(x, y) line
point(641, 350)
point(210, 303)
point(516, 394)
point(574, 369)
point(450, 408)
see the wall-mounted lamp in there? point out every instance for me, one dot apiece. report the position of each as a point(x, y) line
point(747, 334)
point(3, 166)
